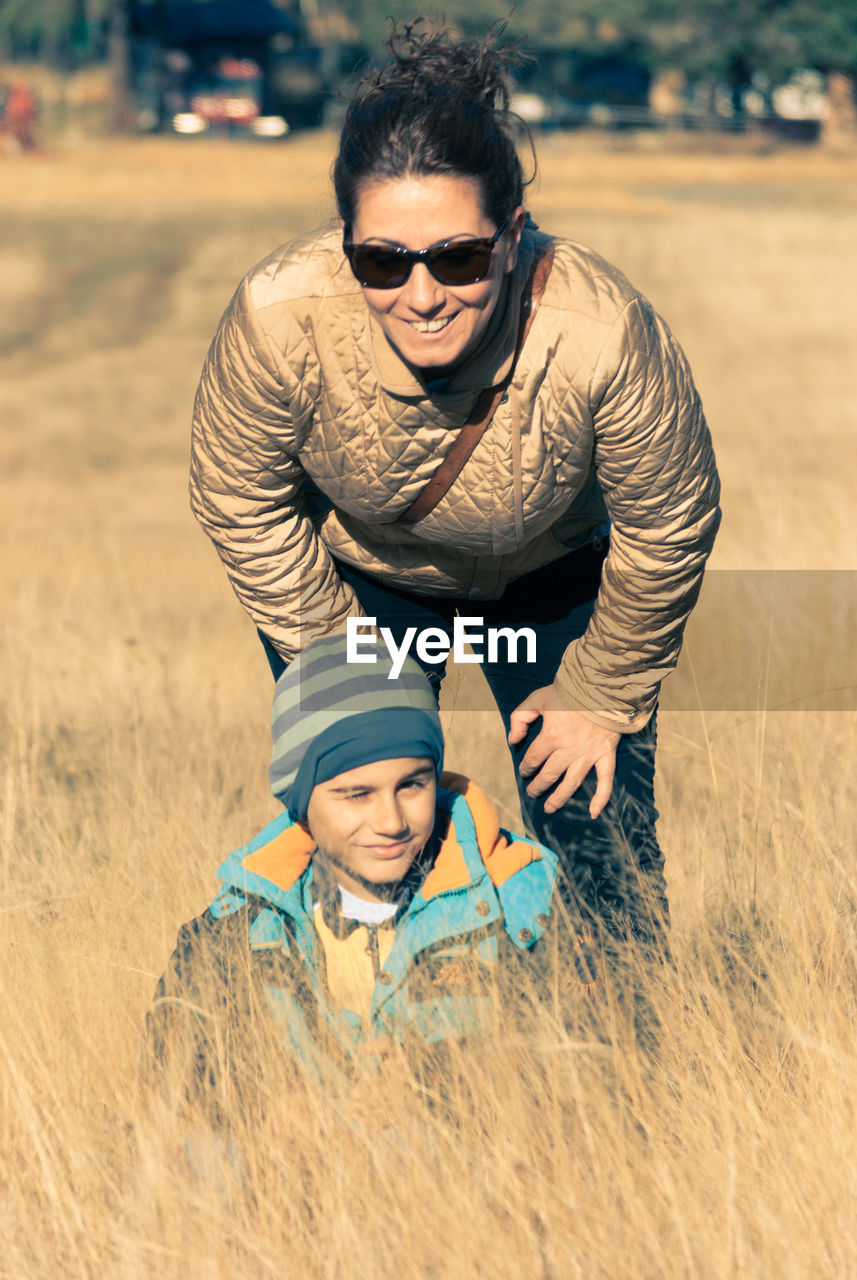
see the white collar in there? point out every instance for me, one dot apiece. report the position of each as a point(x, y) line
point(372, 913)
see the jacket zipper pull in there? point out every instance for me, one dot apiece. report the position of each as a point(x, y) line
point(372, 949)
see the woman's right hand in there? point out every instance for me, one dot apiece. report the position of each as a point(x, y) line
point(566, 747)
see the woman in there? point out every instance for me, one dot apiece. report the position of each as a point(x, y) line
point(435, 409)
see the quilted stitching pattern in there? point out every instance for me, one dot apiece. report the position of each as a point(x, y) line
point(609, 419)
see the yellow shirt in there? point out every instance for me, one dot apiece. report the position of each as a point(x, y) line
point(351, 972)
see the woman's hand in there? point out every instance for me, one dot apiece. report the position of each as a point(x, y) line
point(567, 744)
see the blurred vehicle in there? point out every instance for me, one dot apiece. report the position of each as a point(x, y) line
point(234, 67)
point(566, 88)
point(229, 101)
point(802, 97)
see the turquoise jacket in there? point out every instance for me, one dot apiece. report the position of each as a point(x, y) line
point(485, 904)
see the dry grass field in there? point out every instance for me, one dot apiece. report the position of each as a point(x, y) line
point(133, 732)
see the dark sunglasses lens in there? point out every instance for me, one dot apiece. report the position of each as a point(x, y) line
point(460, 264)
point(379, 268)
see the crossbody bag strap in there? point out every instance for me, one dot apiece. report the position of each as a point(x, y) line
point(483, 411)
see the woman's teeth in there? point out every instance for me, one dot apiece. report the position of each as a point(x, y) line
point(430, 326)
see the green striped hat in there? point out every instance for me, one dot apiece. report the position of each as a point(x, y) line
point(330, 715)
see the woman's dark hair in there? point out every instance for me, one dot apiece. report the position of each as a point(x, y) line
point(437, 106)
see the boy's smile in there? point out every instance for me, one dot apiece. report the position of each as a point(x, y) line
point(371, 822)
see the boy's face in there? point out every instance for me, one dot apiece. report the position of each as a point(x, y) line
point(372, 821)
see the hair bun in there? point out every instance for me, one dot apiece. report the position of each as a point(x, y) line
point(421, 59)
point(436, 105)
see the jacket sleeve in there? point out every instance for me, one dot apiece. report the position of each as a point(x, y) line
point(233, 1030)
point(246, 488)
point(208, 1033)
point(655, 466)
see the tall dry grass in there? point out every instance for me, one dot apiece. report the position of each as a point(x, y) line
point(134, 706)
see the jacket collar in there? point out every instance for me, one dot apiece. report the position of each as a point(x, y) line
point(474, 844)
point(327, 895)
point(274, 863)
point(490, 363)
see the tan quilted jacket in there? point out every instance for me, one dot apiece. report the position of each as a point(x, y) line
point(601, 418)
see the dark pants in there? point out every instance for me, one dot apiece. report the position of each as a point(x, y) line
point(613, 865)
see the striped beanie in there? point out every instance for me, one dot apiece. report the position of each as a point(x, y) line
point(330, 715)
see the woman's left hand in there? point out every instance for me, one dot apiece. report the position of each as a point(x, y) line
point(567, 744)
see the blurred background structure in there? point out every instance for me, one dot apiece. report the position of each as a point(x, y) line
point(265, 67)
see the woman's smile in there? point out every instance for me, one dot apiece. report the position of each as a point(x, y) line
point(431, 326)
point(434, 326)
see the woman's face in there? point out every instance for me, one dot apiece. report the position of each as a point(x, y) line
point(434, 326)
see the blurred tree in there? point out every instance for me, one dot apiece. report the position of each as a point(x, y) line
point(825, 37)
point(119, 55)
point(718, 41)
point(62, 33)
point(542, 21)
point(713, 37)
point(728, 41)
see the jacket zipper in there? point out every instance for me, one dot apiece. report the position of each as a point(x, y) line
point(372, 949)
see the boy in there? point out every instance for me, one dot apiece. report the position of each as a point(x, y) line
point(384, 909)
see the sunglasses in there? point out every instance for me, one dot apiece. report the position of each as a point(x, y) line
point(379, 266)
